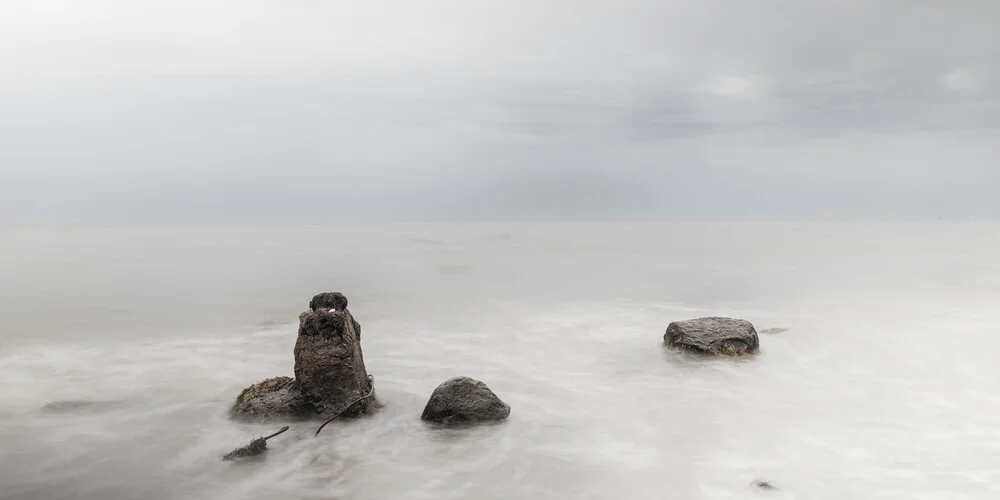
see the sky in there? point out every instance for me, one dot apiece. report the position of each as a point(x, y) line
point(462, 109)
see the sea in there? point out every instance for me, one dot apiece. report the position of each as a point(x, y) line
point(122, 347)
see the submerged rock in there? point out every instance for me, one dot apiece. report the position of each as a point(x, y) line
point(464, 400)
point(79, 405)
point(772, 331)
point(714, 335)
point(764, 485)
point(329, 369)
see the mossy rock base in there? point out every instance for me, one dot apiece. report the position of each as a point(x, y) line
point(272, 399)
point(279, 398)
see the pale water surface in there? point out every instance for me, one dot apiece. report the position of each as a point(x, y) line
point(883, 386)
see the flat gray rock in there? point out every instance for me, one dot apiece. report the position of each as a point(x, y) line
point(464, 400)
point(713, 335)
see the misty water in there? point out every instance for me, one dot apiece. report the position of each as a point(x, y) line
point(883, 384)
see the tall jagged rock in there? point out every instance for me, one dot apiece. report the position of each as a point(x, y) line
point(329, 370)
point(329, 365)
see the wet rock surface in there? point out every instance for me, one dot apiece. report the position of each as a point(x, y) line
point(463, 400)
point(713, 335)
point(277, 397)
point(329, 370)
point(329, 365)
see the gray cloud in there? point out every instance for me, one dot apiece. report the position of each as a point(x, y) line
point(448, 109)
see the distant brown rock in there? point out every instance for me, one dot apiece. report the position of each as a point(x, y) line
point(713, 335)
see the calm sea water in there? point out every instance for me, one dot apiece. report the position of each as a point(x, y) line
point(883, 386)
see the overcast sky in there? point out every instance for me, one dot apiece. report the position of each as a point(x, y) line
point(511, 109)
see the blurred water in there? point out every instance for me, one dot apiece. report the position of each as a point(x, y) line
point(880, 388)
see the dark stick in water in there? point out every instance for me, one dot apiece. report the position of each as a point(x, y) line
point(283, 429)
point(371, 383)
point(256, 447)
